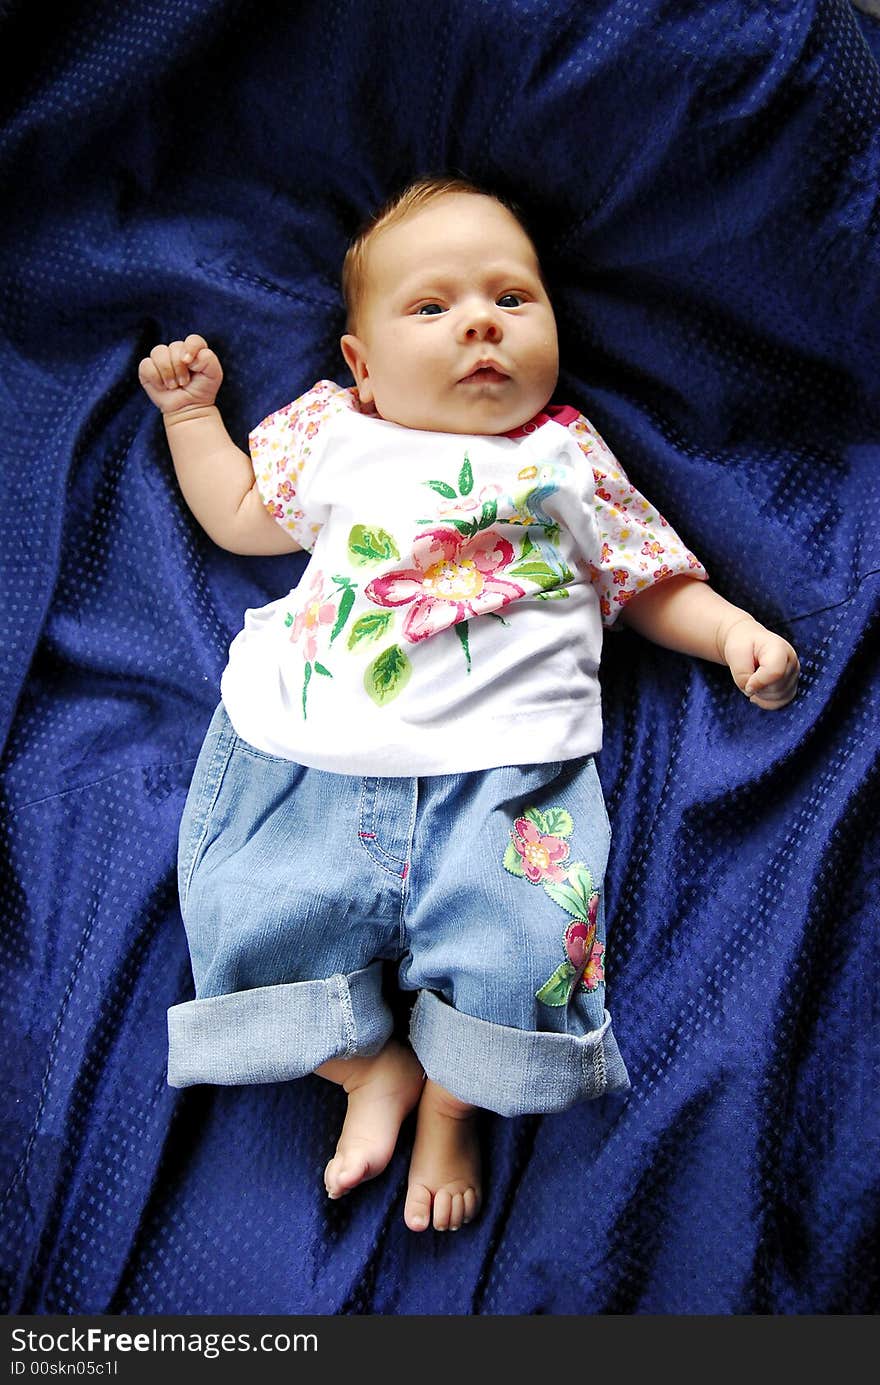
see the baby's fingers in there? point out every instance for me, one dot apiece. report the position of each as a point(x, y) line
point(193, 345)
point(194, 352)
point(162, 358)
point(774, 682)
point(181, 362)
point(148, 373)
point(201, 360)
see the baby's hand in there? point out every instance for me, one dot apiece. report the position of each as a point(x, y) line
point(177, 376)
point(764, 665)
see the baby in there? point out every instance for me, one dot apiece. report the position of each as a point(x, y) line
point(401, 766)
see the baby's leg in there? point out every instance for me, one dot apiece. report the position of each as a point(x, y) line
point(381, 1090)
point(444, 1172)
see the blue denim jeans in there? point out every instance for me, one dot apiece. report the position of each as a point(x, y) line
point(485, 889)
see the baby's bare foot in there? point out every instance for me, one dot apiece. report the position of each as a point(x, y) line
point(382, 1091)
point(444, 1173)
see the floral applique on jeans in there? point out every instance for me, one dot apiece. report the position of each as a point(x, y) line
point(536, 851)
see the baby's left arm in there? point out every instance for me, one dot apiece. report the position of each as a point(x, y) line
point(687, 615)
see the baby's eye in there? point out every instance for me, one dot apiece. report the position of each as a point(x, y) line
point(510, 300)
point(429, 309)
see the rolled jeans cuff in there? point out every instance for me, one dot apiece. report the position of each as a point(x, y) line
point(275, 1033)
point(513, 1071)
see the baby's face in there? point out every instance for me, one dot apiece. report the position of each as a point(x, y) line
point(456, 333)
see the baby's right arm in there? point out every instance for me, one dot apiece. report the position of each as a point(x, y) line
point(216, 477)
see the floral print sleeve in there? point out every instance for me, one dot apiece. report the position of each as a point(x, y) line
point(637, 547)
point(284, 448)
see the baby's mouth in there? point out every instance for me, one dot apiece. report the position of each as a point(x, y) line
point(484, 375)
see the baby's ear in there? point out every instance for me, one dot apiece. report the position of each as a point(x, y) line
point(355, 353)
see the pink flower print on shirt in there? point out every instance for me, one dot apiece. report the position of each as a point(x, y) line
point(316, 612)
point(468, 504)
point(652, 549)
point(455, 577)
point(465, 505)
point(540, 853)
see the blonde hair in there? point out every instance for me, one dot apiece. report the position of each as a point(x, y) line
point(413, 198)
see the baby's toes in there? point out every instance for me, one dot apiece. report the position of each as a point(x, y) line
point(331, 1179)
point(471, 1204)
point(417, 1209)
point(442, 1209)
point(456, 1211)
point(344, 1172)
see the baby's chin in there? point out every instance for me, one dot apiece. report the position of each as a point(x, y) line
point(487, 421)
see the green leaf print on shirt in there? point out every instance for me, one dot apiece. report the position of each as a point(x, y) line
point(370, 627)
point(468, 527)
point(345, 605)
point(442, 488)
point(534, 565)
point(387, 675)
point(367, 545)
point(462, 631)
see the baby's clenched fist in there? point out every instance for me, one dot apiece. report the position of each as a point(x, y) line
point(180, 375)
point(764, 665)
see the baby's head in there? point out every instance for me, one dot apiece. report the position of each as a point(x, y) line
point(450, 328)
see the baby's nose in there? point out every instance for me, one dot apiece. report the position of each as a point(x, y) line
point(483, 327)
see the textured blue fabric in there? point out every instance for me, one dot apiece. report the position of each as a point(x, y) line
point(703, 182)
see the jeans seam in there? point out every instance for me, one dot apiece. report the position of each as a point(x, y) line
point(348, 1017)
point(264, 754)
point(367, 836)
point(600, 1068)
point(404, 884)
point(219, 765)
point(343, 995)
point(600, 793)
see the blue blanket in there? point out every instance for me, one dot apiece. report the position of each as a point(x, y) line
point(703, 182)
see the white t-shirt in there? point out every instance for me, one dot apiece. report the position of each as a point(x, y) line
point(450, 618)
